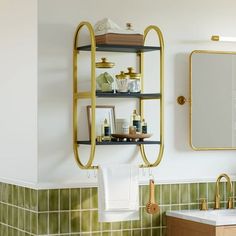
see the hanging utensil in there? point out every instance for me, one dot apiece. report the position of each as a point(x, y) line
point(152, 207)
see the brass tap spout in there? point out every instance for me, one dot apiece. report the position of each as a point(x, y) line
point(230, 192)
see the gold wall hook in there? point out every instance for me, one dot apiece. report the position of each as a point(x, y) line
point(181, 100)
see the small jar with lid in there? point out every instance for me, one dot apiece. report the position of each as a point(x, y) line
point(134, 81)
point(122, 81)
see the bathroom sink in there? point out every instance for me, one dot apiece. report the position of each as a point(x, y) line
point(210, 217)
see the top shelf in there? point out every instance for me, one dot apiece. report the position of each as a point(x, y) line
point(119, 48)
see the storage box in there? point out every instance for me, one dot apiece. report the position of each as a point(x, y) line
point(120, 39)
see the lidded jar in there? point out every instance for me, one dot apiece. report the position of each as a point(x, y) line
point(122, 81)
point(134, 80)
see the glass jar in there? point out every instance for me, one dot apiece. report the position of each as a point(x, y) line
point(122, 81)
point(134, 81)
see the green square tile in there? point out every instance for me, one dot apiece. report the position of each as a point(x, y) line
point(184, 193)
point(15, 195)
point(75, 221)
point(21, 215)
point(10, 215)
point(126, 225)
point(202, 190)
point(4, 192)
point(184, 207)
point(127, 233)
point(211, 192)
point(158, 194)
point(15, 217)
point(20, 233)
point(10, 194)
point(165, 189)
point(156, 220)
point(27, 198)
point(4, 216)
point(85, 221)
point(43, 223)
point(164, 231)
point(85, 201)
point(21, 197)
point(163, 214)
point(145, 195)
point(106, 226)
point(10, 232)
point(94, 198)
point(175, 207)
point(194, 193)
point(34, 222)
point(211, 205)
point(194, 206)
point(95, 224)
point(64, 222)
point(175, 194)
point(146, 219)
point(137, 232)
point(4, 230)
point(33, 199)
point(96, 234)
point(1, 212)
point(75, 199)
point(64, 199)
point(27, 221)
point(224, 191)
point(156, 232)
point(106, 233)
point(116, 233)
point(53, 199)
point(137, 223)
point(146, 232)
point(53, 223)
point(43, 200)
point(116, 225)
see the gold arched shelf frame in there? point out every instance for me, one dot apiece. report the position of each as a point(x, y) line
point(92, 95)
point(161, 148)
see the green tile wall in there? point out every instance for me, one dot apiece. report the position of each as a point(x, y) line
point(27, 212)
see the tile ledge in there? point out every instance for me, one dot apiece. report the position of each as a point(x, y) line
point(57, 185)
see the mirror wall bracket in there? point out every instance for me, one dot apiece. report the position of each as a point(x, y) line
point(181, 100)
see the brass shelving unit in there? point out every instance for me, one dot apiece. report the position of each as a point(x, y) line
point(93, 94)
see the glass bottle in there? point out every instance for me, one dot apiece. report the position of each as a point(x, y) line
point(136, 121)
point(144, 126)
point(106, 131)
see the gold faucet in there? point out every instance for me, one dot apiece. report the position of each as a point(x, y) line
point(230, 189)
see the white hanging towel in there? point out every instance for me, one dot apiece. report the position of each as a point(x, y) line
point(118, 192)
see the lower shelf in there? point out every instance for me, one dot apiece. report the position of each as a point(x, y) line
point(119, 142)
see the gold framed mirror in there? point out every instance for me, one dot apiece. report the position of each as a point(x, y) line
point(212, 100)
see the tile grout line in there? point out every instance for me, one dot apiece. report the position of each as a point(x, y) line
point(80, 214)
point(48, 230)
point(69, 210)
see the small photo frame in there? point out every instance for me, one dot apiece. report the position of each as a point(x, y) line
point(102, 113)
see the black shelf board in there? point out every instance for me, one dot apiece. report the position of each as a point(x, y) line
point(119, 142)
point(128, 95)
point(120, 48)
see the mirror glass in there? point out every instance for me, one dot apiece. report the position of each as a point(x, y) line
point(213, 100)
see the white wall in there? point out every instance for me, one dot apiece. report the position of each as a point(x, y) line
point(18, 90)
point(186, 25)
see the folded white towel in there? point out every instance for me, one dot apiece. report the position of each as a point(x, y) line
point(118, 193)
point(106, 26)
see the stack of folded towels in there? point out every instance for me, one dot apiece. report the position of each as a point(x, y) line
point(118, 193)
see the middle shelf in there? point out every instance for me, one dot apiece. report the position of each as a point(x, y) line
point(100, 94)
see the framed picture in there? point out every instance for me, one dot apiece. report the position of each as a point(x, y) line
point(102, 113)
